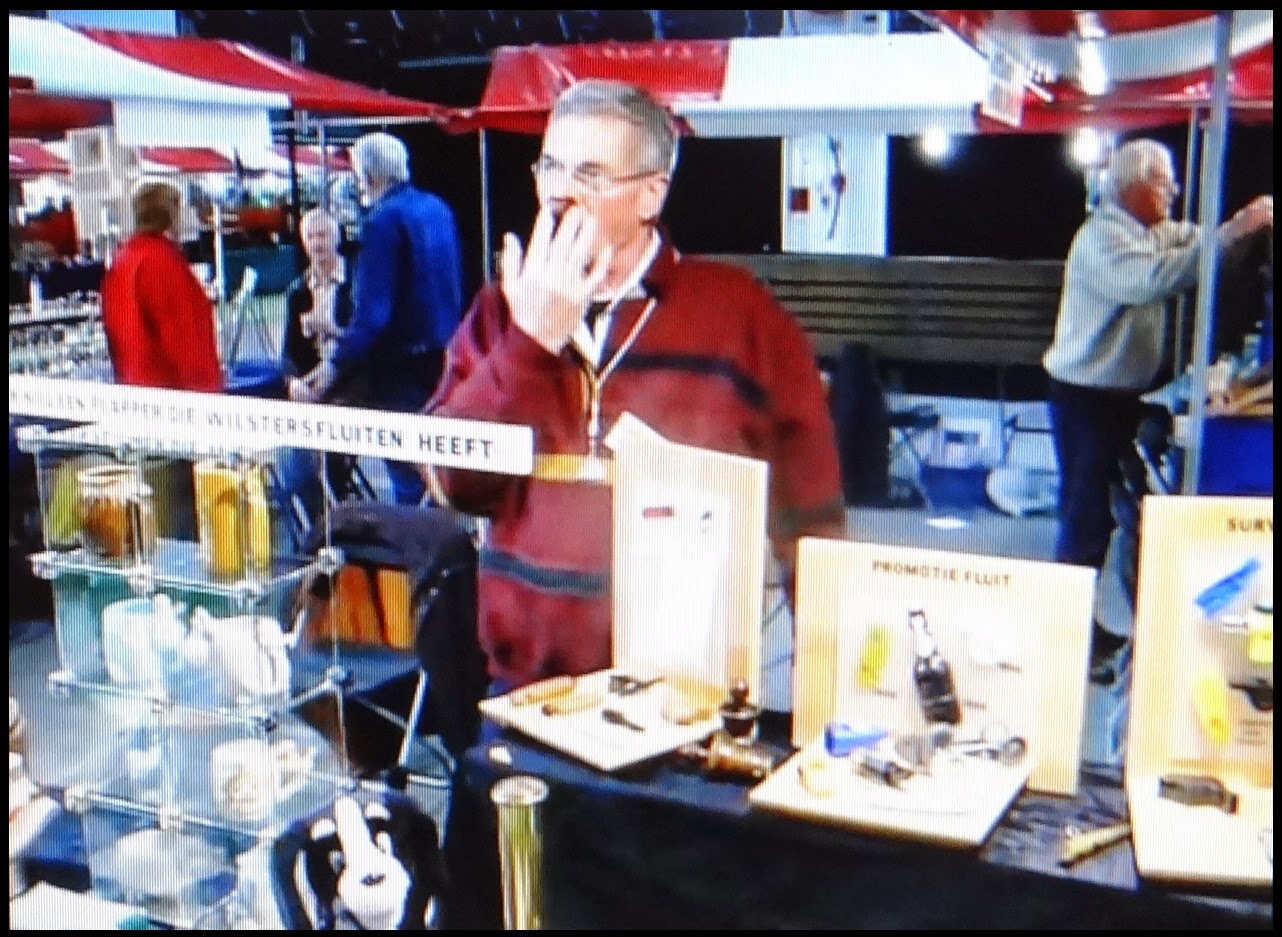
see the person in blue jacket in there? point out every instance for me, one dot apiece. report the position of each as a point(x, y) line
point(407, 298)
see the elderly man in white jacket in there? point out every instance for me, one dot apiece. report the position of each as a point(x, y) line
point(1126, 261)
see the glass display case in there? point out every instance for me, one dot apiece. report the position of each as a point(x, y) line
point(175, 576)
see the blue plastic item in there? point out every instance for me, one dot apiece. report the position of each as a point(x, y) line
point(841, 738)
point(1214, 599)
point(257, 377)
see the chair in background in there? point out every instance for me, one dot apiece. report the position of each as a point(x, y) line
point(246, 312)
point(437, 557)
point(907, 427)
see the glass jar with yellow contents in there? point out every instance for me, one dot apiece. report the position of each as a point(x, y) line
point(115, 513)
point(233, 518)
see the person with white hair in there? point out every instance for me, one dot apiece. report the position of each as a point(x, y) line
point(1126, 261)
point(406, 298)
point(318, 307)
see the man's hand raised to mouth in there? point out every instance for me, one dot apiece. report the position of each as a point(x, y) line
point(548, 286)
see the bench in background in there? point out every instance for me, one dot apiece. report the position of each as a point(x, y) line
point(919, 310)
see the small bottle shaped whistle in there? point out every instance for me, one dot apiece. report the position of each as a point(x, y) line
point(880, 766)
point(932, 675)
point(1197, 790)
point(738, 716)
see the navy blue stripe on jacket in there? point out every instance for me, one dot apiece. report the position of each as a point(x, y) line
point(547, 578)
point(751, 392)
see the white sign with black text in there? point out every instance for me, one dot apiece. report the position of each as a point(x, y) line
point(144, 414)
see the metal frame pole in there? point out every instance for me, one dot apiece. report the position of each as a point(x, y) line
point(1181, 358)
point(1211, 190)
point(487, 261)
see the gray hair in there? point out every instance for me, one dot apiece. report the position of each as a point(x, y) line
point(1136, 161)
point(381, 158)
point(622, 101)
point(318, 216)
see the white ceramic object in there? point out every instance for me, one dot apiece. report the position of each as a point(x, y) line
point(248, 654)
point(249, 777)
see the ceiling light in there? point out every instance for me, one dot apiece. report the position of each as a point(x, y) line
point(1088, 147)
point(934, 144)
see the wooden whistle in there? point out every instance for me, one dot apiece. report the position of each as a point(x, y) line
point(575, 703)
point(542, 691)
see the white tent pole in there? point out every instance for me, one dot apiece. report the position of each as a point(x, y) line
point(486, 259)
point(1210, 196)
point(324, 167)
point(216, 217)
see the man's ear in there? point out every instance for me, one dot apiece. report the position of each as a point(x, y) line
point(654, 192)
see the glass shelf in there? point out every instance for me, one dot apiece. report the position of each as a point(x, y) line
point(177, 564)
point(94, 437)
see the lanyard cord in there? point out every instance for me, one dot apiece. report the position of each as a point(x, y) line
point(597, 379)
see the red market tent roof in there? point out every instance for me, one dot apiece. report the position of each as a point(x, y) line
point(171, 90)
point(525, 80)
point(1119, 69)
point(185, 159)
point(31, 158)
point(309, 157)
point(1158, 64)
point(243, 66)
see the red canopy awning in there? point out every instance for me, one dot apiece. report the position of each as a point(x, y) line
point(1158, 64)
point(31, 158)
point(63, 78)
point(243, 66)
point(1121, 69)
point(308, 156)
point(524, 81)
point(186, 159)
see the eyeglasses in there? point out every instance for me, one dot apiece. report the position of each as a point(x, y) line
point(1168, 185)
point(587, 176)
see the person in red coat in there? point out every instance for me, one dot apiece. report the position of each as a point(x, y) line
point(158, 320)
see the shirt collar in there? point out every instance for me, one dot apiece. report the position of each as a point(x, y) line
point(1118, 213)
point(338, 277)
point(659, 277)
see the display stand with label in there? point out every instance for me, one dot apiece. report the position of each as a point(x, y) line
point(1199, 762)
point(689, 565)
point(930, 687)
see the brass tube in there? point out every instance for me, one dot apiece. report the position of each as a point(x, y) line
point(518, 800)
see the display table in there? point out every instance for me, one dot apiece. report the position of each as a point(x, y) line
point(662, 846)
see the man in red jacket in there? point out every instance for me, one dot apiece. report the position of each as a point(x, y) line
point(597, 316)
point(158, 320)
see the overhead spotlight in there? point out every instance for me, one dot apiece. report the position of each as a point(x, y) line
point(935, 145)
point(1088, 147)
point(1091, 75)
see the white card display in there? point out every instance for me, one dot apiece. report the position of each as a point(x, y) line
point(689, 560)
point(1014, 632)
point(1202, 692)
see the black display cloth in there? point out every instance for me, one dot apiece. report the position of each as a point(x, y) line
point(663, 846)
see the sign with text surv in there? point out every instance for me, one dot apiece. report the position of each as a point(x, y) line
point(1012, 636)
point(1199, 757)
point(226, 422)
